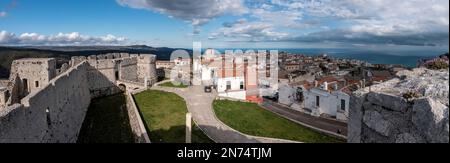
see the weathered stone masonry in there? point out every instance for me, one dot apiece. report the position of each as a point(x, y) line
point(383, 115)
point(45, 108)
point(136, 122)
point(54, 114)
point(107, 70)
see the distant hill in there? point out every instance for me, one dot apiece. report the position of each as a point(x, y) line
point(64, 53)
point(93, 48)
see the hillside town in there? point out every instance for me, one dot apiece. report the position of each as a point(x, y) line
point(318, 85)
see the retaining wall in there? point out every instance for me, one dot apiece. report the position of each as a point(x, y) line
point(136, 122)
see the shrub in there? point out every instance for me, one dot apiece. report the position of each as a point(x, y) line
point(438, 65)
point(411, 95)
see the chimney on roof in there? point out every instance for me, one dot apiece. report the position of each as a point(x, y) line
point(325, 85)
point(316, 83)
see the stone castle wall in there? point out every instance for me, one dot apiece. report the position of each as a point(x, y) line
point(128, 69)
point(108, 69)
point(145, 71)
point(3, 97)
point(101, 78)
point(383, 115)
point(34, 69)
point(33, 74)
point(54, 114)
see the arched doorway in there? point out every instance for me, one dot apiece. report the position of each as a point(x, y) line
point(122, 87)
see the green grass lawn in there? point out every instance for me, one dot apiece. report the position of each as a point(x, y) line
point(251, 119)
point(107, 122)
point(165, 117)
point(170, 84)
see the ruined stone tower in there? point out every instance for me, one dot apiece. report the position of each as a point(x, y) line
point(33, 73)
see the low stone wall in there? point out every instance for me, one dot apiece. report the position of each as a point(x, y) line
point(383, 115)
point(241, 95)
point(230, 99)
point(136, 122)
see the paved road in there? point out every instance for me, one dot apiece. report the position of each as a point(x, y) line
point(199, 104)
point(316, 122)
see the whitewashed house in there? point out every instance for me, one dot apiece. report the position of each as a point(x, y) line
point(291, 96)
point(231, 78)
point(232, 87)
point(325, 100)
point(235, 77)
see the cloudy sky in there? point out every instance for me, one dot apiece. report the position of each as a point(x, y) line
point(228, 23)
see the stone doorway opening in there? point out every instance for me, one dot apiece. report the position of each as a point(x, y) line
point(123, 87)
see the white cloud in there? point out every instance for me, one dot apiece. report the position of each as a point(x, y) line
point(7, 37)
point(377, 16)
point(242, 30)
point(354, 21)
point(73, 38)
point(283, 18)
point(32, 37)
point(3, 14)
point(196, 12)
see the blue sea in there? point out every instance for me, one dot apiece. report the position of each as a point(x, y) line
point(408, 58)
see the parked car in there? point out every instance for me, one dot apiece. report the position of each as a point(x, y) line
point(208, 89)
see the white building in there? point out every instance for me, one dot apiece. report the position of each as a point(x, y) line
point(324, 103)
point(164, 64)
point(181, 61)
point(291, 96)
point(232, 87)
point(235, 77)
point(320, 100)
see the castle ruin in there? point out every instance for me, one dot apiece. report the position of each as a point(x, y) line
point(42, 104)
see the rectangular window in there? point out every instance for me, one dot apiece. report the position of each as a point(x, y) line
point(36, 83)
point(25, 84)
point(317, 101)
point(228, 85)
point(117, 75)
point(49, 120)
point(242, 86)
point(343, 105)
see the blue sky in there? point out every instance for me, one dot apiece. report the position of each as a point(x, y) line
point(371, 24)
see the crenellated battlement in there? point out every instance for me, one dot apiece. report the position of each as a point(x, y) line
point(141, 58)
